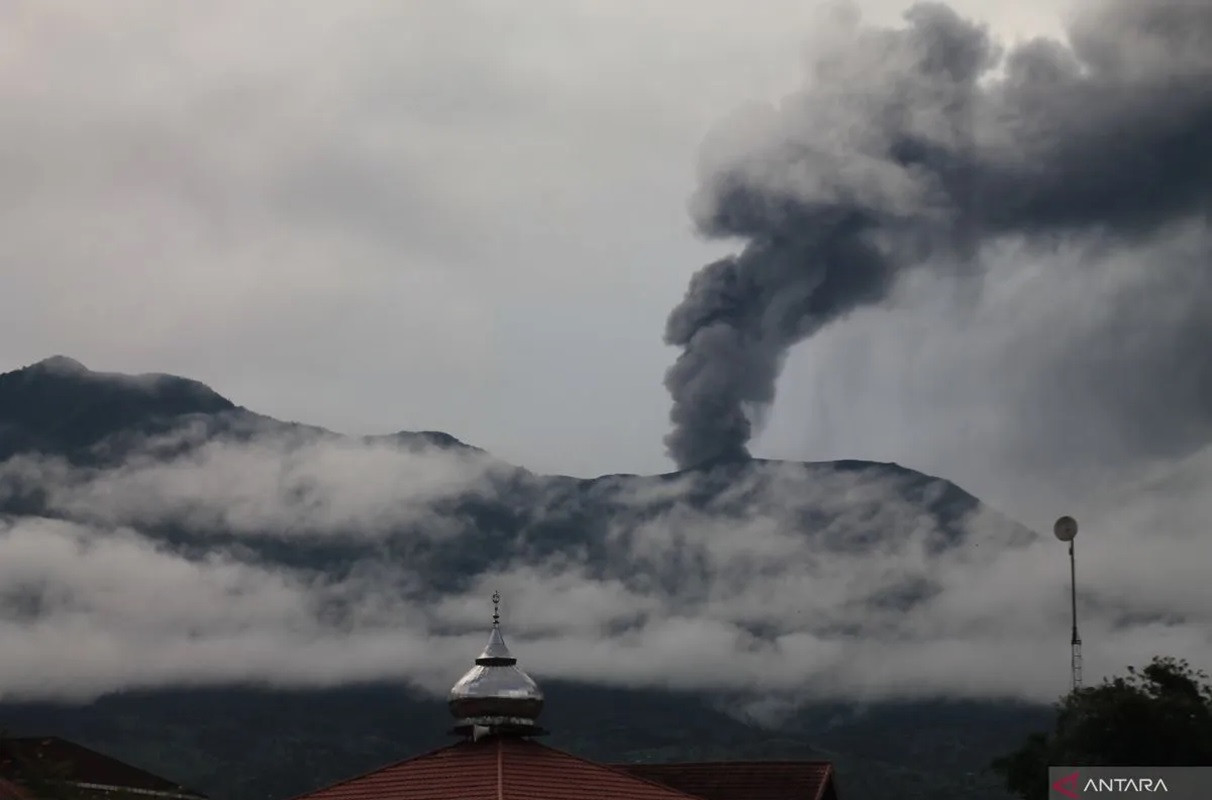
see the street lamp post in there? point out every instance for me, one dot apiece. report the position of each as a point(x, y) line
point(1065, 529)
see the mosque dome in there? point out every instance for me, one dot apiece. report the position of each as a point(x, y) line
point(496, 695)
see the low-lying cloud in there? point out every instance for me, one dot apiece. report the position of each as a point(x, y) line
point(284, 482)
point(777, 582)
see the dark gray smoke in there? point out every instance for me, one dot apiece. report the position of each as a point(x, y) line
point(916, 146)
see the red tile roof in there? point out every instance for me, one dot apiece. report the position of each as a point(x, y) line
point(82, 767)
point(744, 780)
point(11, 791)
point(497, 768)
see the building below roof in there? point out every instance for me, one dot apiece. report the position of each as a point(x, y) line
point(11, 791)
point(744, 780)
point(36, 766)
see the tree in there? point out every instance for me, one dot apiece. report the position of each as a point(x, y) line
point(1159, 715)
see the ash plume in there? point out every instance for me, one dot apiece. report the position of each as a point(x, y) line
point(917, 146)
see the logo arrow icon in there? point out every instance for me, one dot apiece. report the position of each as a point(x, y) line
point(1067, 786)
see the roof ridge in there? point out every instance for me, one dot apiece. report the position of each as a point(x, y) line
point(613, 768)
point(500, 768)
point(377, 770)
point(10, 790)
point(820, 790)
point(753, 761)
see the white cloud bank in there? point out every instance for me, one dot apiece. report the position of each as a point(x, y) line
point(725, 595)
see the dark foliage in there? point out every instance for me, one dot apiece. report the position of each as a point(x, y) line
point(1159, 715)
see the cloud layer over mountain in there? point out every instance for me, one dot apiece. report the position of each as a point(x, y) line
point(287, 206)
point(694, 581)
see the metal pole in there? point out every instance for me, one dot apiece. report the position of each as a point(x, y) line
point(1076, 658)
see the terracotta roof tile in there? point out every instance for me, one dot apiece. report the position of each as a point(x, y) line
point(497, 768)
point(11, 791)
point(744, 780)
point(83, 766)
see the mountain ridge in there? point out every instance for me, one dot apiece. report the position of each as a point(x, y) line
point(34, 398)
point(126, 432)
point(182, 397)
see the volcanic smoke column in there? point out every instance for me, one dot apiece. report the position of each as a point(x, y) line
point(903, 150)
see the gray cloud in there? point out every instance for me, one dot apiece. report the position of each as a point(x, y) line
point(298, 484)
point(906, 149)
point(353, 207)
point(1059, 382)
point(302, 221)
point(727, 591)
point(371, 218)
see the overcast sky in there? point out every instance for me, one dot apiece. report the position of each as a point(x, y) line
point(456, 217)
point(430, 216)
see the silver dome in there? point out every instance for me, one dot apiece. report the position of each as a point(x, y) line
point(495, 693)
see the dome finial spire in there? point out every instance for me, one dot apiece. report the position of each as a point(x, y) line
point(495, 695)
